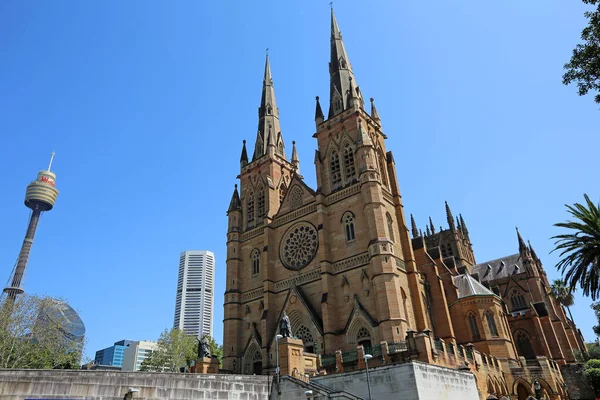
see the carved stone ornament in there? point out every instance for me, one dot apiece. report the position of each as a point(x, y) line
point(299, 246)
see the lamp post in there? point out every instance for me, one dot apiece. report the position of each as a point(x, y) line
point(538, 389)
point(277, 337)
point(367, 357)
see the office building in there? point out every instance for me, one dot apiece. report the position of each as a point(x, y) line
point(194, 298)
point(112, 355)
point(135, 354)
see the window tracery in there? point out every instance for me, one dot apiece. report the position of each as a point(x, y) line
point(261, 204)
point(524, 347)
point(348, 220)
point(517, 301)
point(255, 257)
point(250, 205)
point(296, 198)
point(299, 246)
point(349, 168)
point(336, 176)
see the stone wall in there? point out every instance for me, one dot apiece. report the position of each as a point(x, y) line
point(577, 387)
point(111, 385)
point(408, 381)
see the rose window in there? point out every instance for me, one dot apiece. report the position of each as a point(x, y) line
point(299, 246)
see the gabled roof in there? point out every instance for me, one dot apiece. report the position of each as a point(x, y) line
point(500, 268)
point(469, 286)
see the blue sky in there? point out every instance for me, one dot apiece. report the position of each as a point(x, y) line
point(146, 104)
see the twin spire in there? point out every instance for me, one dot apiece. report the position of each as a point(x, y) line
point(344, 93)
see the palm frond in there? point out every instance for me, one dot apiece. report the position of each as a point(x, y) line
point(580, 249)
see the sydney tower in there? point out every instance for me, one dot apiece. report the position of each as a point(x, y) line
point(39, 197)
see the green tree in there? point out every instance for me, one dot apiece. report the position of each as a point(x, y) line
point(174, 350)
point(580, 248)
point(584, 67)
point(563, 294)
point(591, 373)
point(593, 350)
point(596, 307)
point(29, 341)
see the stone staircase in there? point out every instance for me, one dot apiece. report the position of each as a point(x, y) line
point(295, 389)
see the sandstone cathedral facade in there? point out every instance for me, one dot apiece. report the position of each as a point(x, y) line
point(340, 261)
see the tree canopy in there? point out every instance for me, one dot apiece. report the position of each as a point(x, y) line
point(580, 248)
point(29, 341)
point(584, 66)
point(176, 350)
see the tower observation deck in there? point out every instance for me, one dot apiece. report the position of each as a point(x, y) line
point(40, 196)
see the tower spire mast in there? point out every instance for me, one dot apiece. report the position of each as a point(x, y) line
point(40, 196)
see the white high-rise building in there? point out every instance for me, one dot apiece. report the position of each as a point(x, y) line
point(195, 287)
point(136, 353)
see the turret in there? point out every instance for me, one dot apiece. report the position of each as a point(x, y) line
point(319, 117)
point(244, 156)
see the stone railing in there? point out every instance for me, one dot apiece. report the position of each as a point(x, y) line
point(383, 353)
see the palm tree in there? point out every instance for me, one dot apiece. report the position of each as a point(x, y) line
point(580, 249)
point(563, 294)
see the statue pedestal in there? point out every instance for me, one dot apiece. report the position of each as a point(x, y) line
point(207, 365)
point(291, 357)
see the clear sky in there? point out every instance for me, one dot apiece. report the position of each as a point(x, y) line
point(146, 104)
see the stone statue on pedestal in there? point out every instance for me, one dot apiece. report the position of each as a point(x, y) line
point(203, 348)
point(285, 327)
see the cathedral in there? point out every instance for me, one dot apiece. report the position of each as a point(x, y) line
point(348, 268)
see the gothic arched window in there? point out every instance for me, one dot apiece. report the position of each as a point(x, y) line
point(382, 168)
point(255, 257)
point(491, 323)
point(524, 347)
point(348, 221)
point(390, 224)
point(261, 204)
point(517, 301)
point(336, 176)
point(473, 326)
point(349, 169)
point(250, 211)
point(280, 149)
point(363, 337)
point(304, 334)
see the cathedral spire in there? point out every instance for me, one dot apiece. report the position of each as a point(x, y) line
point(268, 118)
point(244, 156)
point(415, 231)
point(522, 246)
point(235, 204)
point(431, 225)
point(343, 88)
point(374, 113)
point(463, 226)
point(450, 218)
point(295, 159)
